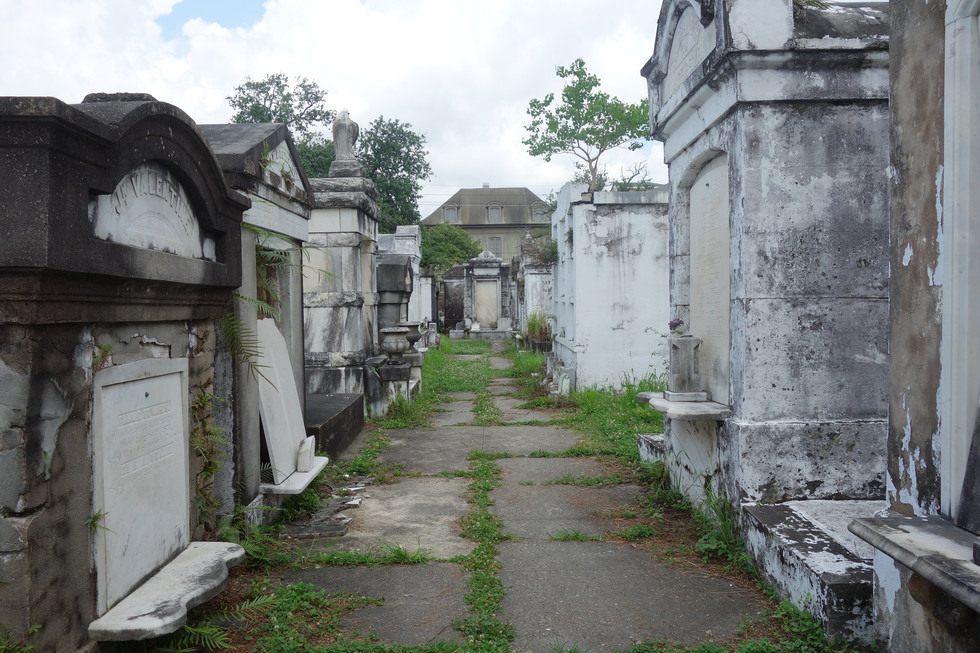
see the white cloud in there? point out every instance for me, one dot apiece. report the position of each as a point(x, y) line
point(460, 72)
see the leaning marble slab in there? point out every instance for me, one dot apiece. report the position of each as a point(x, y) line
point(282, 417)
point(159, 606)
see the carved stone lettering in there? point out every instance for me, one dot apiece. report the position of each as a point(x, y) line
point(150, 209)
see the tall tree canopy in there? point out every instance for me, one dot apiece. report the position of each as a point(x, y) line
point(394, 157)
point(302, 106)
point(445, 245)
point(586, 122)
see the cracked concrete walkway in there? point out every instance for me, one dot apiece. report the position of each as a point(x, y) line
point(599, 593)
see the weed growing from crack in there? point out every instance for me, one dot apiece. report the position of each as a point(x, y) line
point(387, 555)
point(487, 414)
point(636, 532)
point(483, 630)
point(487, 455)
point(578, 451)
point(574, 536)
point(586, 481)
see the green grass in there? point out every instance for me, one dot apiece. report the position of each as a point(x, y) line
point(471, 346)
point(610, 420)
point(365, 461)
point(577, 451)
point(623, 514)
point(636, 532)
point(387, 555)
point(9, 645)
point(483, 630)
point(586, 481)
point(574, 536)
point(486, 413)
point(442, 374)
point(405, 414)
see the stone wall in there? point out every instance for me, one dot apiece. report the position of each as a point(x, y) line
point(611, 286)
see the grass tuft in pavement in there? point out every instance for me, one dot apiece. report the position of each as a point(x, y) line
point(387, 555)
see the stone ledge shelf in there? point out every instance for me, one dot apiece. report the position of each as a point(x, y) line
point(932, 547)
point(296, 482)
point(688, 410)
point(159, 606)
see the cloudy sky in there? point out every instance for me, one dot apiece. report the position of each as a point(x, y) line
point(460, 71)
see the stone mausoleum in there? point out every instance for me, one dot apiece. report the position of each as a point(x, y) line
point(774, 119)
point(120, 249)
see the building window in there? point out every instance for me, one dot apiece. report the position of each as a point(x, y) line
point(494, 245)
point(451, 214)
point(494, 214)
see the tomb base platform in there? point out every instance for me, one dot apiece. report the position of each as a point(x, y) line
point(805, 550)
point(335, 420)
point(159, 606)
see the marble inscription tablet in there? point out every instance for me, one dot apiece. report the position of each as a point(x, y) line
point(141, 517)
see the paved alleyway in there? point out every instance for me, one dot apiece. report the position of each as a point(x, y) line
point(565, 586)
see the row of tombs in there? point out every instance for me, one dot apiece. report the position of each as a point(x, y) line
point(816, 244)
point(167, 292)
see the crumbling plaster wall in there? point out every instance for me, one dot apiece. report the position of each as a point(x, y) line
point(46, 464)
point(621, 311)
point(908, 611)
point(809, 295)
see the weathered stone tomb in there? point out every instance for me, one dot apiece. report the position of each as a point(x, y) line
point(119, 251)
point(610, 290)
point(774, 119)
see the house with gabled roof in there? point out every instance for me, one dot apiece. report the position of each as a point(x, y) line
point(497, 218)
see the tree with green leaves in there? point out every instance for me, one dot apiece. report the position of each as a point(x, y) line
point(445, 245)
point(302, 106)
point(316, 155)
point(394, 157)
point(585, 122)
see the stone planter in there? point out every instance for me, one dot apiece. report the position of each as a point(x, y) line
point(414, 334)
point(394, 342)
point(542, 346)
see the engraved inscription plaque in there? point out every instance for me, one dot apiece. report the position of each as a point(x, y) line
point(150, 209)
point(141, 501)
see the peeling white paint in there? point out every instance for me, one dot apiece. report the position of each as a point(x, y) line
point(84, 351)
point(55, 409)
point(936, 273)
point(907, 256)
point(889, 581)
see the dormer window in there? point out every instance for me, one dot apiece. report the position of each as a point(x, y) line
point(450, 214)
point(495, 214)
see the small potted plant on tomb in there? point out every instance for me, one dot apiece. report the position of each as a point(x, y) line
point(539, 332)
point(683, 376)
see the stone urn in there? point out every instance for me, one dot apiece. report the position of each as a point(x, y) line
point(683, 374)
point(414, 334)
point(394, 342)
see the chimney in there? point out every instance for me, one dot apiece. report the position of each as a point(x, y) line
point(486, 184)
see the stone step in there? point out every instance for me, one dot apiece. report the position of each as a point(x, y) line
point(805, 550)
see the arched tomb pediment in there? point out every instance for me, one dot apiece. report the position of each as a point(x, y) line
point(687, 34)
